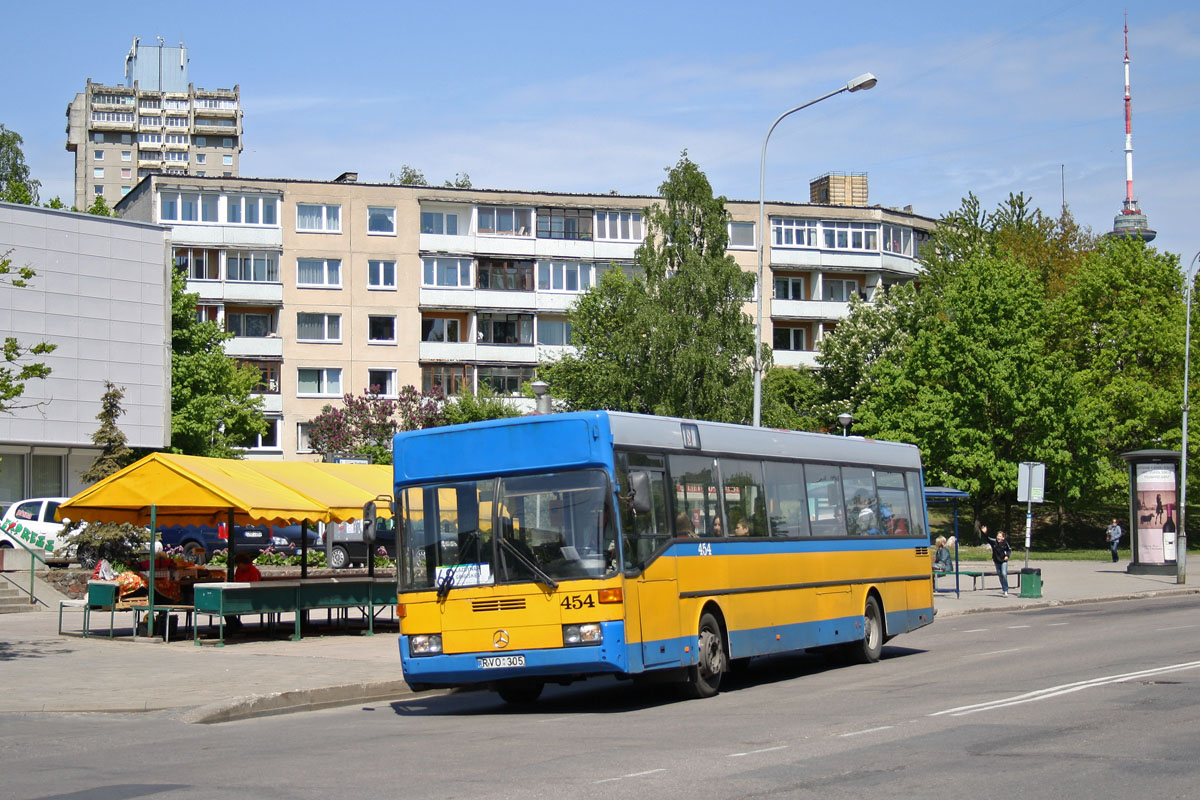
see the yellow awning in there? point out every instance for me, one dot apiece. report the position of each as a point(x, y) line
point(203, 491)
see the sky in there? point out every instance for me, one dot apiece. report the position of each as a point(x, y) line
point(597, 97)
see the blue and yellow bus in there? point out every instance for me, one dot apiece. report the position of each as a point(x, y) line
point(553, 548)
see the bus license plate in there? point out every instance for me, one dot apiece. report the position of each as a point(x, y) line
point(494, 662)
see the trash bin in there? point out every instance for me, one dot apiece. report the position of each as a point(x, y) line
point(1031, 582)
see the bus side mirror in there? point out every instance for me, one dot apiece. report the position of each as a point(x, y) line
point(368, 522)
point(639, 490)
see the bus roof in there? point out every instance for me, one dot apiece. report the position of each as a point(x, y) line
point(586, 439)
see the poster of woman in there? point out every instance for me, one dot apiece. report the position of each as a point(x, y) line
point(1156, 513)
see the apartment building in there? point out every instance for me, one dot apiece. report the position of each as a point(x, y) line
point(102, 296)
point(154, 122)
point(338, 286)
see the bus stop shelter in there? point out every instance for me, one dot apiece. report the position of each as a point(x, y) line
point(945, 494)
point(164, 488)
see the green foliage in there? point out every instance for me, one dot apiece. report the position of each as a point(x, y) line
point(15, 369)
point(15, 184)
point(675, 340)
point(408, 176)
point(467, 407)
point(114, 450)
point(116, 541)
point(461, 180)
point(212, 412)
point(792, 400)
point(99, 207)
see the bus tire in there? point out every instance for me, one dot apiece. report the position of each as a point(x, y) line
point(704, 679)
point(519, 692)
point(868, 649)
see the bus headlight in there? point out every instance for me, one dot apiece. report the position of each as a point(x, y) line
point(587, 633)
point(425, 644)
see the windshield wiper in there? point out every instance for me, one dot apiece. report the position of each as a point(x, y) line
point(446, 582)
point(538, 573)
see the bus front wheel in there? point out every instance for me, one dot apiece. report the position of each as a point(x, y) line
point(704, 679)
point(868, 650)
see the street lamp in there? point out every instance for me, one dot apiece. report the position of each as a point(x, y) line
point(1181, 536)
point(864, 81)
point(844, 419)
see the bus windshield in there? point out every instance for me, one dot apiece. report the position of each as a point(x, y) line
point(530, 528)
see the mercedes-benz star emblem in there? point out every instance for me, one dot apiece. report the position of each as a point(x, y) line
point(500, 638)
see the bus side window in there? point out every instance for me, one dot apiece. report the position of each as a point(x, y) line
point(642, 531)
point(697, 496)
point(894, 512)
point(787, 507)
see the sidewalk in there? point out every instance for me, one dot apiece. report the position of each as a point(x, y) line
point(43, 671)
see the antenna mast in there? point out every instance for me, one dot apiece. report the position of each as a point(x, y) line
point(1131, 221)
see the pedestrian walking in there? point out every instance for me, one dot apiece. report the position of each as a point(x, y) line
point(1113, 535)
point(1000, 553)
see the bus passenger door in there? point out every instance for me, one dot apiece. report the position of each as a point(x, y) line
point(645, 530)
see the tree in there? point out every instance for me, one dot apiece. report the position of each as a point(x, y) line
point(408, 176)
point(212, 412)
point(792, 399)
point(16, 370)
point(364, 425)
point(467, 407)
point(461, 180)
point(673, 340)
point(114, 450)
point(15, 184)
point(99, 207)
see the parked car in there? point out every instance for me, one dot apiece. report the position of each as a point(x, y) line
point(32, 522)
point(200, 542)
point(345, 546)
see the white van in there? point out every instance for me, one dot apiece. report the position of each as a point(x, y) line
point(31, 522)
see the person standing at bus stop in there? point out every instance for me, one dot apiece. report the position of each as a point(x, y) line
point(1113, 534)
point(1000, 554)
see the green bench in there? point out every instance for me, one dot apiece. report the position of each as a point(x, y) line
point(979, 577)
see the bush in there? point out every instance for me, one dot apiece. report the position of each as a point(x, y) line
point(116, 541)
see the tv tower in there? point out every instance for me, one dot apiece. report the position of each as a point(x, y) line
point(1131, 221)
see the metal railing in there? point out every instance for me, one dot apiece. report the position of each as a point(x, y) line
point(32, 564)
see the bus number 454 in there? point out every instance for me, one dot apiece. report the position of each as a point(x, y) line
point(574, 602)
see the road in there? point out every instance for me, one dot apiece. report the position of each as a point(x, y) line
point(1088, 701)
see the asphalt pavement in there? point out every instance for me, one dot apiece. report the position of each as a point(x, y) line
point(253, 675)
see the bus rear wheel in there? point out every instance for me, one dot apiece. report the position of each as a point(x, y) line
point(519, 692)
point(869, 648)
point(704, 679)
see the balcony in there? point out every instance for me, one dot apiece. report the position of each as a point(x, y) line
point(507, 353)
point(219, 127)
point(272, 403)
point(795, 358)
point(254, 347)
point(809, 309)
point(447, 351)
point(110, 125)
point(251, 292)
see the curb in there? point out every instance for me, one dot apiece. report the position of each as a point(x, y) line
point(292, 701)
point(1074, 602)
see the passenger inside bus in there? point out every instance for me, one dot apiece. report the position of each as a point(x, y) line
point(742, 528)
point(683, 525)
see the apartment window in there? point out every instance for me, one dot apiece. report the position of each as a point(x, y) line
point(99, 190)
point(198, 264)
point(317, 218)
point(256, 266)
point(227, 160)
point(126, 173)
point(126, 138)
point(564, 223)
point(97, 138)
point(98, 172)
point(789, 287)
point(175, 155)
point(850, 235)
point(452, 379)
point(99, 155)
point(200, 157)
point(790, 338)
point(113, 99)
point(177, 122)
point(150, 104)
point(920, 242)
point(838, 290)
point(251, 210)
point(318, 382)
point(268, 439)
point(381, 329)
point(250, 323)
point(502, 221)
point(565, 276)
point(179, 206)
point(439, 222)
point(268, 382)
point(741, 234)
point(381, 274)
point(177, 138)
point(624, 226)
point(149, 138)
point(505, 275)
point(153, 122)
point(319, 272)
point(505, 328)
point(175, 105)
point(125, 190)
point(382, 382)
point(553, 331)
point(450, 272)
point(318, 327)
point(127, 155)
point(227, 142)
point(200, 141)
point(897, 239)
point(303, 445)
point(381, 220)
point(436, 329)
point(790, 232)
point(504, 379)
point(110, 116)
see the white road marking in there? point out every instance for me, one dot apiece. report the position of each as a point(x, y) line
point(754, 752)
point(1066, 688)
point(976, 630)
point(1014, 627)
point(868, 730)
point(1174, 628)
point(998, 652)
point(1056, 624)
point(630, 775)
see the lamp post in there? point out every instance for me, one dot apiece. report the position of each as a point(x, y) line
point(1181, 536)
point(844, 419)
point(864, 81)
